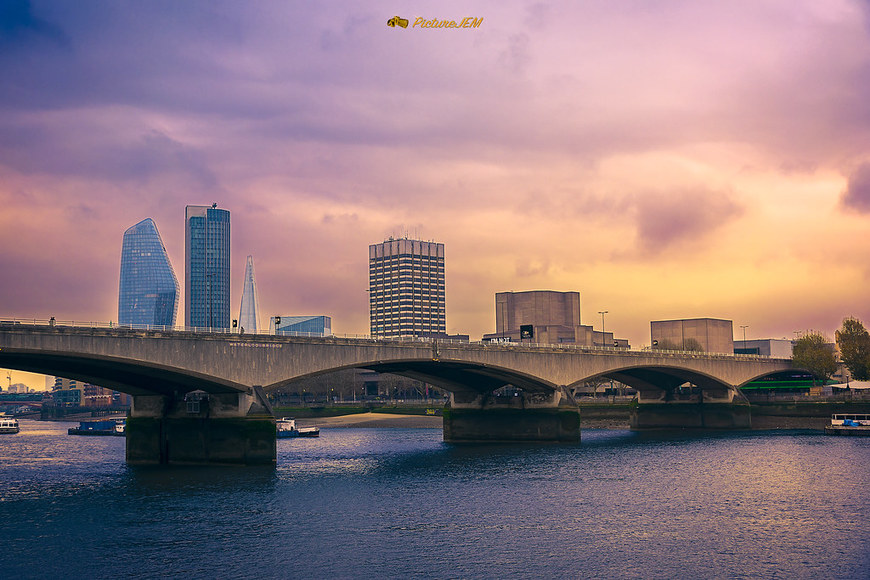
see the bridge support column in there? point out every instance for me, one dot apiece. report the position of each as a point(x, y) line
point(532, 417)
point(714, 410)
point(201, 429)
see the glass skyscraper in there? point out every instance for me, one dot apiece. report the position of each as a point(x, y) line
point(206, 266)
point(249, 312)
point(406, 288)
point(148, 293)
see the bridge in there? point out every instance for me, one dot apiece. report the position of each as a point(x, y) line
point(201, 397)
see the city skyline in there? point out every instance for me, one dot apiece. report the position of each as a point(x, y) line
point(692, 160)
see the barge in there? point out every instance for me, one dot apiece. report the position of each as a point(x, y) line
point(849, 424)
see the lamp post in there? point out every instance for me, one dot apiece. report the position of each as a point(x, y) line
point(602, 313)
point(744, 327)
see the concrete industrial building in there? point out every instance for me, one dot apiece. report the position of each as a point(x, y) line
point(554, 317)
point(712, 334)
point(775, 347)
point(406, 288)
point(206, 266)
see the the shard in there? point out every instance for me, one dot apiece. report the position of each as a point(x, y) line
point(148, 293)
point(249, 313)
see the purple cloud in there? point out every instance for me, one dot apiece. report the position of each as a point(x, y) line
point(664, 220)
point(857, 194)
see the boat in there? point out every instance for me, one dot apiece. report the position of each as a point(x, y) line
point(103, 427)
point(286, 427)
point(849, 424)
point(9, 425)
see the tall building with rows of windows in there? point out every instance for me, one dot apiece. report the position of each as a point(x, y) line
point(206, 266)
point(148, 293)
point(406, 288)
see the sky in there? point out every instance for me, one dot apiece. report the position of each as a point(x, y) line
point(667, 159)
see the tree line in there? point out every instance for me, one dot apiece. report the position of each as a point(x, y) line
point(814, 353)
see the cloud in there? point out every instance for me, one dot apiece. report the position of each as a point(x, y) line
point(681, 217)
point(857, 194)
point(20, 28)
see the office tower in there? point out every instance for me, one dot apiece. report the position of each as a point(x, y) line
point(206, 266)
point(148, 293)
point(249, 312)
point(406, 288)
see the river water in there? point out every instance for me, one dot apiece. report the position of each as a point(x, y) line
point(399, 503)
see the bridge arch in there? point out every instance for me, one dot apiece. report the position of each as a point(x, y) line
point(449, 375)
point(658, 382)
point(132, 377)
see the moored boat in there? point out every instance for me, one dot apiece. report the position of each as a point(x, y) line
point(286, 427)
point(849, 424)
point(9, 425)
point(103, 427)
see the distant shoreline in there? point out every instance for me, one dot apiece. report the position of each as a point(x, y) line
point(390, 420)
point(398, 421)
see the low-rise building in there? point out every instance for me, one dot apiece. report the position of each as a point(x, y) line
point(772, 347)
point(301, 325)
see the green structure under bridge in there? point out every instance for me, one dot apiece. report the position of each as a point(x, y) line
point(201, 397)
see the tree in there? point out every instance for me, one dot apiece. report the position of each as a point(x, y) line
point(665, 344)
point(689, 344)
point(853, 340)
point(692, 344)
point(813, 353)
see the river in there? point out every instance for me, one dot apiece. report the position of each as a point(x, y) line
point(400, 503)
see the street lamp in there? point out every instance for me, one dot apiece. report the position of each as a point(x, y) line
point(744, 327)
point(602, 313)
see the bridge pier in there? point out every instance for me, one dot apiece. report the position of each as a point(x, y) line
point(201, 429)
point(482, 418)
point(710, 409)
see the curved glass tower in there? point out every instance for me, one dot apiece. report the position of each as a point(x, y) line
point(148, 293)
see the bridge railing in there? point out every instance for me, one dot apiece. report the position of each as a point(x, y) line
point(17, 321)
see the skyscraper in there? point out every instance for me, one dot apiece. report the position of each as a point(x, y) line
point(148, 292)
point(207, 266)
point(406, 288)
point(249, 312)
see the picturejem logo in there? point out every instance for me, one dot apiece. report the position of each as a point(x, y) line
point(420, 22)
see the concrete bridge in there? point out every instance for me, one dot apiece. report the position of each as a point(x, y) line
point(199, 397)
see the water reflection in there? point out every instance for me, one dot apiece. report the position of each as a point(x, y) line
point(402, 503)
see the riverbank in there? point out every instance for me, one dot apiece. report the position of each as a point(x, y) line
point(391, 420)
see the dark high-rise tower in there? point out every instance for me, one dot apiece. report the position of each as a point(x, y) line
point(406, 288)
point(206, 266)
point(148, 292)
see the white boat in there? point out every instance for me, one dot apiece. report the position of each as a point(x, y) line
point(849, 424)
point(9, 425)
point(286, 427)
